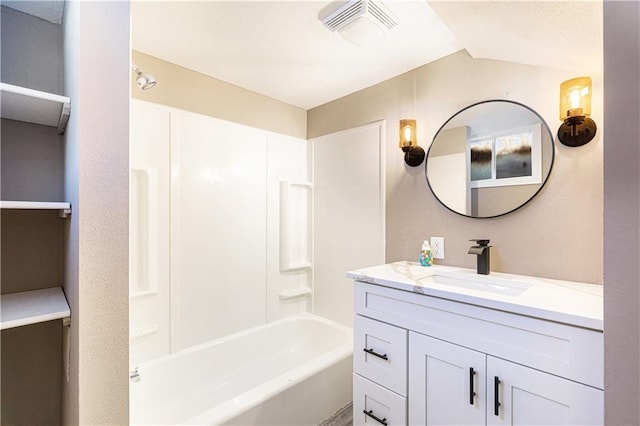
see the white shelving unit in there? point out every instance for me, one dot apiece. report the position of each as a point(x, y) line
point(34, 106)
point(31, 307)
point(64, 209)
point(37, 107)
point(35, 324)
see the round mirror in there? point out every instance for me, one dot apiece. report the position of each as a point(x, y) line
point(490, 159)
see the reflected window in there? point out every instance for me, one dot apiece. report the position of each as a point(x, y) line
point(511, 157)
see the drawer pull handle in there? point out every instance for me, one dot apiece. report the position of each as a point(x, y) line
point(374, 353)
point(496, 395)
point(374, 417)
point(472, 394)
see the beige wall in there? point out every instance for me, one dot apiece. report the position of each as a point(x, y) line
point(192, 91)
point(557, 235)
point(621, 213)
point(97, 184)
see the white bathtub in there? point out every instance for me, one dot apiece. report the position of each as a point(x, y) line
point(295, 371)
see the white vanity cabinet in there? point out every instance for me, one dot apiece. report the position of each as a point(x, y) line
point(425, 360)
point(450, 384)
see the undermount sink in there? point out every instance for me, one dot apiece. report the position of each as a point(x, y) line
point(477, 282)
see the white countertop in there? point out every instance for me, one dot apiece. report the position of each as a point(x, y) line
point(566, 302)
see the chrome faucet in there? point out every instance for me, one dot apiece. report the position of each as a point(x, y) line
point(482, 250)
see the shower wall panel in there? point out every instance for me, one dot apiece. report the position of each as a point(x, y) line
point(218, 227)
point(289, 227)
point(349, 214)
point(149, 197)
point(221, 224)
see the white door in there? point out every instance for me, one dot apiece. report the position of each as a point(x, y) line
point(348, 208)
point(530, 397)
point(446, 383)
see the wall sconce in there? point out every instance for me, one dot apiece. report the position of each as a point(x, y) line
point(577, 128)
point(413, 154)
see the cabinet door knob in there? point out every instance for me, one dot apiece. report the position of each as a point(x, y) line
point(374, 353)
point(472, 394)
point(496, 395)
point(374, 417)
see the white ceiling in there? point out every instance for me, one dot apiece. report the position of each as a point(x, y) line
point(564, 34)
point(281, 49)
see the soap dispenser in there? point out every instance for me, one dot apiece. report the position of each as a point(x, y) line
point(425, 254)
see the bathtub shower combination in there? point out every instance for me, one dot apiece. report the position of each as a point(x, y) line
point(273, 374)
point(222, 274)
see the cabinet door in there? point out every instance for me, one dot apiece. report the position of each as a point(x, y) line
point(377, 406)
point(531, 397)
point(446, 383)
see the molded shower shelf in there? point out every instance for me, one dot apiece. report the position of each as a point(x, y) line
point(34, 106)
point(296, 267)
point(31, 307)
point(64, 209)
point(294, 294)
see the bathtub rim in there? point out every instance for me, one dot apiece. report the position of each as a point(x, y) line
point(253, 397)
point(292, 318)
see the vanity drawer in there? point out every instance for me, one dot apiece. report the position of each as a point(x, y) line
point(564, 350)
point(382, 405)
point(380, 353)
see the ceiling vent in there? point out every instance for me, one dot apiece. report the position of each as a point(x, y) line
point(359, 21)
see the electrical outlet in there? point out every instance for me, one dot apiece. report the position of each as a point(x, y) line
point(437, 247)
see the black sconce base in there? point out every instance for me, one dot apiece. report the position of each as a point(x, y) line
point(577, 131)
point(413, 156)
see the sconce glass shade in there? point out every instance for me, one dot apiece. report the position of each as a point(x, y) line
point(413, 154)
point(575, 98)
point(577, 128)
point(408, 136)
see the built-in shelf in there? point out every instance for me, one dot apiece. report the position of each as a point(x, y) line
point(34, 106)
point(31, 307)
point(294, 294)
point(64, 209)
point(296, 267)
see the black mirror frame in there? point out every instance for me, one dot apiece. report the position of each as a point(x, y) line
point(544, 181)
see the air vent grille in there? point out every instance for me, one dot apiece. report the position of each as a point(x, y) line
point(351, 10)
point(385, 19)
point(354, 9)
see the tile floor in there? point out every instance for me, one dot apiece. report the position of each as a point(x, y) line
point(344, 417)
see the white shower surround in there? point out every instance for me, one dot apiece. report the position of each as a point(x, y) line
point(222, 278)
point(208, 237)
point(294, 371)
